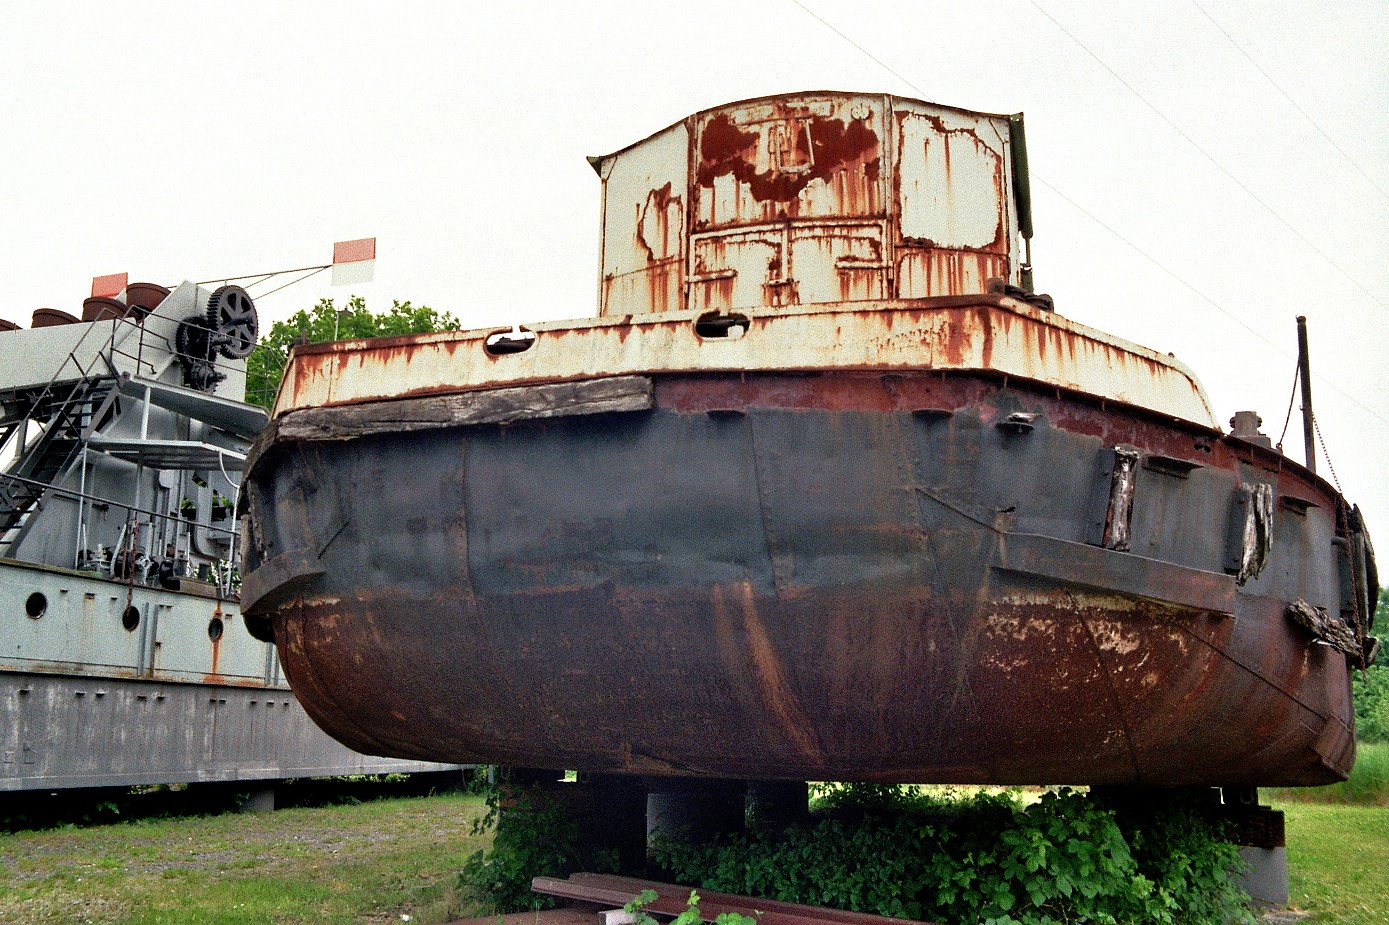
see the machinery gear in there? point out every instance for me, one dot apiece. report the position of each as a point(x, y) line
point(197, 344)
point(232, 314)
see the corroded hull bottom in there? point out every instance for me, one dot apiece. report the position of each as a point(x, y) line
point(821, 577)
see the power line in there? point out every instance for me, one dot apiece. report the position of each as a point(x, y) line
point(1107, 227)
point(1291, 102)
point(1157, 263)
point(1208, 156)
point(879, 61)
point(1205, 298)
point(260, 277)
point(312, 272)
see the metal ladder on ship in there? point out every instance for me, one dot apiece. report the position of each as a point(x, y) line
point(68, 413)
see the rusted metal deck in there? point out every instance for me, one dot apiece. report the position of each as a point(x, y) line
point(986, 331)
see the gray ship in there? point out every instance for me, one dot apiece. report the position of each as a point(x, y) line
point(122, 658)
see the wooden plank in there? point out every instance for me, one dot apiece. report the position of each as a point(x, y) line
point(613, 892)
point(458, 409)
point(765, 905)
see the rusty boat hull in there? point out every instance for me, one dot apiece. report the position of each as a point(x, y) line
point(847, 576)
point(824, 491)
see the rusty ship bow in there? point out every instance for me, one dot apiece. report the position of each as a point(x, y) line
point(823, 492)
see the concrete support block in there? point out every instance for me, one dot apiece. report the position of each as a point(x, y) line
point(1266, 876)
point(778, 802)
point(694, 811)
point(261, 800)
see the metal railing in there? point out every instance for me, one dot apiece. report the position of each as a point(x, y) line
point(131, 559)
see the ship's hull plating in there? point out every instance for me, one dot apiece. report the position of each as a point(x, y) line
point(841, 576)
point(115, 685)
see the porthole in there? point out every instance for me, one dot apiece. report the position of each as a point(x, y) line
point(214, 629)
point(130, 619)
point(502, 343)
point(36, 605)
point(716, 324)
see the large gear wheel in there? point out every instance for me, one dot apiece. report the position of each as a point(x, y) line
point(232, 314)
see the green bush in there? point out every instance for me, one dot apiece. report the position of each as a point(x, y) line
point(535, 835)
point(899, 852)
point(1064, 859)
point(326, 322)
point(1371, 690)
point(1371, 687)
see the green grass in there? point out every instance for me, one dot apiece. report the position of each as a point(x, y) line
point(1368, 784)
point(371, 862)
point(1338, 861)
point(321, 866)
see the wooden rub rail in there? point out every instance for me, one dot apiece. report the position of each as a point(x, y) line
point(610, 891)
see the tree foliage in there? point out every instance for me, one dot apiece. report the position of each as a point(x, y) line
point(326, 322)
point(1371, 686)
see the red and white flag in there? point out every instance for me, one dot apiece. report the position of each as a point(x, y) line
point(354, 261)
point(109, 286)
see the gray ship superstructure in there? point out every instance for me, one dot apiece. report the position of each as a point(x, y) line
point(122, 439)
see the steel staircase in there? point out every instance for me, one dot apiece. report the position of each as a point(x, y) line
point(67, 414)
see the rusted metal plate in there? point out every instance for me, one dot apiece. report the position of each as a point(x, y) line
point(806, 577)
point(951, 179)
point(921, 271)
point(644, 228)
point(811, 156)
point(984, 332)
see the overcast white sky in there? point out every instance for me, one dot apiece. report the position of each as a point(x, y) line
point(1203, 170)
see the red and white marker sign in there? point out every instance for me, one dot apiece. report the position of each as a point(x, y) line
point(354, 261)
point(109, 286)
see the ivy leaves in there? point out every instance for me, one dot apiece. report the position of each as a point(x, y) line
point(1066, 858)
point(1063, 859)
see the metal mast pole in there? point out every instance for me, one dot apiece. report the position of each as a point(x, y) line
point(1304, 374)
